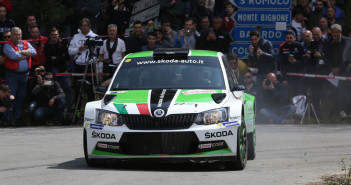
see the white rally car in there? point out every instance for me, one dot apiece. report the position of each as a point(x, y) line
point(172, 104)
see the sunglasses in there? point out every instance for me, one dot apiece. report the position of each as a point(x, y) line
point(49, 79)
point(247, 77)
point(6, 37)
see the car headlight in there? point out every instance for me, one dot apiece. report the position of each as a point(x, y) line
point(108, 118)
point(212, 117)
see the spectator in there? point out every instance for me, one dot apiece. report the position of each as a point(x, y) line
point(339, 13)
point(306, 40)
point(77, 47)
point(38, 43)
point(209, 41)
point(331, 17)
point(90, 9)
point(313, 18)
point(112, 51)
point(323, 25)
point(7, 37)
point(275, 101)
point(119, 15)
point(31, 21)
point(57, 58)
point(186, 38)
point(169, 35)
point(151, 43)
point(315, 65)
point(5, 23)
point(221, 34)
point(174, 11)
point(201, 11)
point(7, 4)
point(5, 100)
point(250, 85)
point(160, 41)
point(49, 100)
point(261, 55)
point(204, 25)
point(228, 22)
point(17, 62)
point(291, 60)
point(299, 24)
point(338, 56)
point(136, 40)
point(238, 66)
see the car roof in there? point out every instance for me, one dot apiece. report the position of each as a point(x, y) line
point(192, 53)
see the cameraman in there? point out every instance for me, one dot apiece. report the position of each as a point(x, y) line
point(77, 47)
point(5, 98)
point(49, 100)
point(275, 101)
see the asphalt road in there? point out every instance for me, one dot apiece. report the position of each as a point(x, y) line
point(286, 154)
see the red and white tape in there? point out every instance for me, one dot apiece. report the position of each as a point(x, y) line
point(81, 74)
point(319, 76)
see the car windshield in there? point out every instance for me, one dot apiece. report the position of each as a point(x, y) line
point(191, 73)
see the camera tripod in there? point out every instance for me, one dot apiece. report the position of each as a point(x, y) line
point(90, 61)
point(308, 108)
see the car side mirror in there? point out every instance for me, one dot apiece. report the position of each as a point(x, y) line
point(238, 87)
point(101, 89)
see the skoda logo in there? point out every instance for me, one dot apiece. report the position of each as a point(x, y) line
point(159, 112)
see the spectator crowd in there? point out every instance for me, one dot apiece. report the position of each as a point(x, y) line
point(317, 42)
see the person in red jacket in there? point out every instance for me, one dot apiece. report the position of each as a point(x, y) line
point(38, 43)
point(17, 62)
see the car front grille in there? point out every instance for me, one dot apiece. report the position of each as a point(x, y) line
point(171, 122)
point(159, 143)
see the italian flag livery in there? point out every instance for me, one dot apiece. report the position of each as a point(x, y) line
point(175, 105)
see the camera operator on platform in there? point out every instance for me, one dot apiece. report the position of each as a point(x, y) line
point(5, 99)
point(112, 51)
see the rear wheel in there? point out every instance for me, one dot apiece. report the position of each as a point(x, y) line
point(241, 151)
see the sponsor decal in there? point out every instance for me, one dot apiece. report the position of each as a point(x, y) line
point(102, 135)
point(108, 147)
point(97, 126)
point(160, 101)
point(88, 120)
point(231, 124)
point(128, 60)
point(172, 61)
point(159, 113)
point(198, 91)
point(210, 146)
point(202, 146)
point(161, 98)
point(234, 118)
point(224, 133)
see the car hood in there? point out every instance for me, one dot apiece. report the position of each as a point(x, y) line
point(162, 102)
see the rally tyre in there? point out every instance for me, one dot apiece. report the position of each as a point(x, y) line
point(251, 139)
point(90, 162)
point(241, 158)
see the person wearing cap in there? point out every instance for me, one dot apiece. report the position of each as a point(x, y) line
point(291, 61)
point(338, 57)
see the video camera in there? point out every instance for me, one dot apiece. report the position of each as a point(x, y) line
point(7, 101)
point(93, 41)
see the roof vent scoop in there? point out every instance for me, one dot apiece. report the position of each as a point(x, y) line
point(218, 97)
point(170, 53)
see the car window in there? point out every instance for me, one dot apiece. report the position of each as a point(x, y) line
point(230, 75)
point(191, 73)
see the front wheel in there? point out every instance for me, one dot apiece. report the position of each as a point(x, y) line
point(90, 162)
point(241, 152)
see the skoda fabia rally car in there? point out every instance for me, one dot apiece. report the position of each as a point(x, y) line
point(172, 104)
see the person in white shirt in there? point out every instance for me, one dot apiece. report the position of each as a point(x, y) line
point(112, 51)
